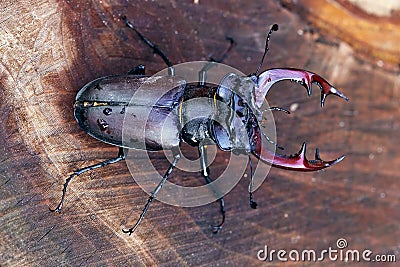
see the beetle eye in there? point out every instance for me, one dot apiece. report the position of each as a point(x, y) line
point(221, 136)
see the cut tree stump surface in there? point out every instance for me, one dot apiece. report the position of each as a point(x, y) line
point(50, 49)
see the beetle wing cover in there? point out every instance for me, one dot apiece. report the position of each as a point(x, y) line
point(131, 111)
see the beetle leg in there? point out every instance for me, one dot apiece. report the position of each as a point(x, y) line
point(203, 162)
point(232, 43)
point(78, 172)
point(138, 70)
point(253, 204)
point(155, 48)
point(211, 62)
point(153, 195)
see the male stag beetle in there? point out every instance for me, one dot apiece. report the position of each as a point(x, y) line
point(110, 96)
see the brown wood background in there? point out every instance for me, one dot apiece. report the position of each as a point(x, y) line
point(50, 49)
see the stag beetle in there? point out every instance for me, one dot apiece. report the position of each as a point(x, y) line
point(111, 95)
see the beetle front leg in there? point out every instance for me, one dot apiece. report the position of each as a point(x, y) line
point(253, 204)
point(205, 172)
point(78, 172)
point(153, 195)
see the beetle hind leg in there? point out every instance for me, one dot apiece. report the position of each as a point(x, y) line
point(205, 172)
point(78, 172)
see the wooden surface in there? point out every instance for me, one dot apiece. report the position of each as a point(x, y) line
point(50, 49)
point(373, 35)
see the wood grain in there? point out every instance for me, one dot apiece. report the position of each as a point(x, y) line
point(375, 38)
point(50, 49)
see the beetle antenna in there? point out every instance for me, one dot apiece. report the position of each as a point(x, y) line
point(273, 28)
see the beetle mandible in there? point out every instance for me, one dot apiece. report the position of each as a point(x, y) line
point(111, 95)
